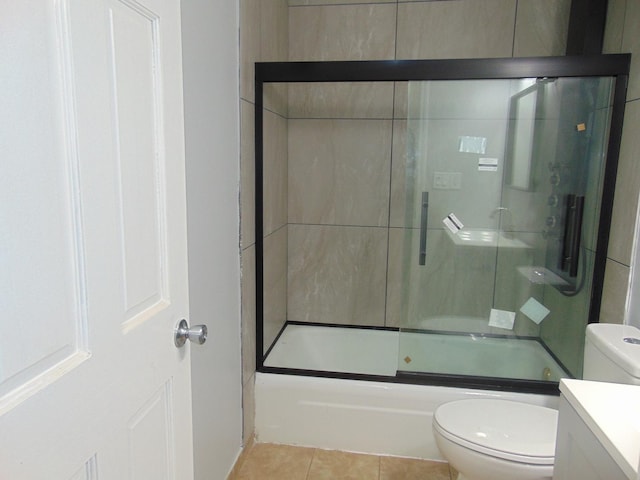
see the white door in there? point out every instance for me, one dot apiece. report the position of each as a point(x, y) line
point(93, 256)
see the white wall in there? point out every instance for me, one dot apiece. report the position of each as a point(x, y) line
point(211, 97)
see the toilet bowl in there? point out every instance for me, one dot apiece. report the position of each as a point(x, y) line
point(489, 439)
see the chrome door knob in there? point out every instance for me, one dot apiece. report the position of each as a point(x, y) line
point(196, 334)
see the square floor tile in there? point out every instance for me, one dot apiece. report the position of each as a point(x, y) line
point(329, 465)
point(394, 468)
point(276, 462)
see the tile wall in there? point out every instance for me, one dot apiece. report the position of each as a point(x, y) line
point(621, 36)
point(348, 206)
point(264, 36)
point(384, 29)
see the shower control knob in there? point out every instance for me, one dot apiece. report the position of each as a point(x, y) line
point(554, 179)
point(197, 334)
point(551, 221)
point(553, 200)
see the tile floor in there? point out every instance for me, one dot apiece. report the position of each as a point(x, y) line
point(265, 461)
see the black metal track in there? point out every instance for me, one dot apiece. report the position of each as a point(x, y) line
point(463, 69)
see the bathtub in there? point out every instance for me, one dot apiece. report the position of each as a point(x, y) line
point(382, 418)
point(377, 352)
point(359, 416)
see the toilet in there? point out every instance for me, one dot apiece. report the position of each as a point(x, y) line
point(493, 439)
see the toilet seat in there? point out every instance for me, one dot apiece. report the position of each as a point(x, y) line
point(512, 431)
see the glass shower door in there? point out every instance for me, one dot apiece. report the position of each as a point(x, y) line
point(502, 189)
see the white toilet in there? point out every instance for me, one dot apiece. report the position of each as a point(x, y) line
point(489, 439)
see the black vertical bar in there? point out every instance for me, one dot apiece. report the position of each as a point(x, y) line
point(572, 234)
point(259, 218)
point(576, 232)
point(587, 20)
point(424, 218)
point(565, 251)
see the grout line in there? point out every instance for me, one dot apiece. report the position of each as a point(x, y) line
point(274, 231)
point(622, 264)
point(310, 463)
point(515, 21)
point(374, 119)
point(335, 225)
point(395, 45)
point(363, 2)
point(278, 114)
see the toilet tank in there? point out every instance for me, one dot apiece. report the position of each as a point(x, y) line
point(612, 353)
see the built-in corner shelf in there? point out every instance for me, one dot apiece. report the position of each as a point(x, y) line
point(471, 237)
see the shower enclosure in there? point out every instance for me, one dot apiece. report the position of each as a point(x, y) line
point(441, 222)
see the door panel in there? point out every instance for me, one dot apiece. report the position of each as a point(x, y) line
point(39, 224)
point(95, 226)
point(150, 432)
point(134, 54)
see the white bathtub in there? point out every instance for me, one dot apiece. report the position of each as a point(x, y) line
point(377, 352)
point(358, 416)
point(361, 416)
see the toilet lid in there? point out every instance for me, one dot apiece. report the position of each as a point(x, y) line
point(505, 429)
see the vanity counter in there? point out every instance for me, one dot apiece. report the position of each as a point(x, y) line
point(611, 411)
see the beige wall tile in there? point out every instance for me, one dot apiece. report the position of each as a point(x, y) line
point(337, 274)
point(437, 152)
point(274, 171)
point(275, 284)
point(275, 98)
point(341, 100)
point(454, 282)
point(427, 143)
point(248, 410)
point(274, 30)
point(631, 44)
point(456, 29)
point(614, 295)
point(264, 37)
point(615, 25)
point(248, 312)
point(401, 178)
point(342, 32)
point(274, 47)
point(541, 27)
point(339, 171)
point(247, 174)
point(402, 104)
point(627, 187)
point(249, 45)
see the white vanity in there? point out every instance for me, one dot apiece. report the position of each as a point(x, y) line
point(598, 431)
